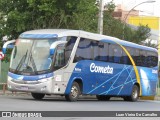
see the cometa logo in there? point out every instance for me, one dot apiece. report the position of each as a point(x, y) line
point(101, 69)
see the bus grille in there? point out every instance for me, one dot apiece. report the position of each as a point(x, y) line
point(25, 82)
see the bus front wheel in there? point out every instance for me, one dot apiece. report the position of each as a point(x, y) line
point(74, 93)
point(38, 96)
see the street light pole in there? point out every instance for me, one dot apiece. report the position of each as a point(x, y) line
point(126, 16)
point(100, 17)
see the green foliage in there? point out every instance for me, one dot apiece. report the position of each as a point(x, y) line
point(7, 55)
point(117, 28)
point(142, 33)
point(110, 7)
point(18, 16)
point(23, 15)
point(150, 43)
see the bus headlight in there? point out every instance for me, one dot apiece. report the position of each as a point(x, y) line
point(43, 80)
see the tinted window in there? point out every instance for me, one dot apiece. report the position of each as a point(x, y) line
point(124, 58)
point(84, 50)
point(137, 57)
point(100, 51)
point(131, 52)
point(115, 53)
point(60, 57)
point(143, 58)
point(111, 53)
point(69, 47)
point(152, 59)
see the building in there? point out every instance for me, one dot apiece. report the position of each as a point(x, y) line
point(152, 22)
point(134, 19)
point(122, 13)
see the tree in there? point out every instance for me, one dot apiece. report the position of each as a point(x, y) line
point(150, 43)
point(117, 28)
point(18, 16)
point(23, 15)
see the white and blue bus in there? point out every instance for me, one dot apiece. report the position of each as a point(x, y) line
point(73, 63)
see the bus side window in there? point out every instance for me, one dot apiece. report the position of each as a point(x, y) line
point(101, 52)
point(143, 58)
point(84, 50)
point(117, 54)
point(60, 57)
point(152, 59)
point(111, 53)
point(124, 58)
point(137, 57)
point(131, 52)
point(95, 50)
point(149, 59)
point(69, 47)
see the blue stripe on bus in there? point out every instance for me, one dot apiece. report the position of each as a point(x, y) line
point(40, 36)
point(29, 78)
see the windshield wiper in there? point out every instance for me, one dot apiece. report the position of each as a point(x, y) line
point(21, 61)
point(33, 64)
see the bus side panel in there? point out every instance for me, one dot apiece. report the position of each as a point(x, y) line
point(149, 79)
point(102, 78)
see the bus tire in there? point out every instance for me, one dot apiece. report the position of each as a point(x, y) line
point(103, 97)
point(134, 95)
point(74, 93)
point(38, 96)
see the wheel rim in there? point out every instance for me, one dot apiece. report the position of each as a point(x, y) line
point(74, 92)
point(135, 93)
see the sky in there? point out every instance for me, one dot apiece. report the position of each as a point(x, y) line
point(150, 9)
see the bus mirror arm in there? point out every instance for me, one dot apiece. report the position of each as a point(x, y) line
point(54, 45)
point(52, 51)
point(6, 44)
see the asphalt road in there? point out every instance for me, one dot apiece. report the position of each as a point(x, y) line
point(57, 103)
point(25, 102)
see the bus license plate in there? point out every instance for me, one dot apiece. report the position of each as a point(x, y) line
point(24, 88)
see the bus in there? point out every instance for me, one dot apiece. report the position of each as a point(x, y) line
point(71, 63)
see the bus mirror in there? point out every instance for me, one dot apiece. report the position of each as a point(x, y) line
point(52, 51)
point(54, 45)
point(8, 44)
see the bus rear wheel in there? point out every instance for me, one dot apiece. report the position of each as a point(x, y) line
point(38, 96)
point(134, 95)
point(74, 93)
point(103, 97)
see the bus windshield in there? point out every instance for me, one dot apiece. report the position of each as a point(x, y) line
point(31, 55)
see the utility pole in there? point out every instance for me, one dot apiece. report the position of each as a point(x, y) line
point(100, 17)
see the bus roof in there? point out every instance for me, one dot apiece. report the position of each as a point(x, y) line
point(53, 33)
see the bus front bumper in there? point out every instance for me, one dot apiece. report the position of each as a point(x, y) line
point(41, 86)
